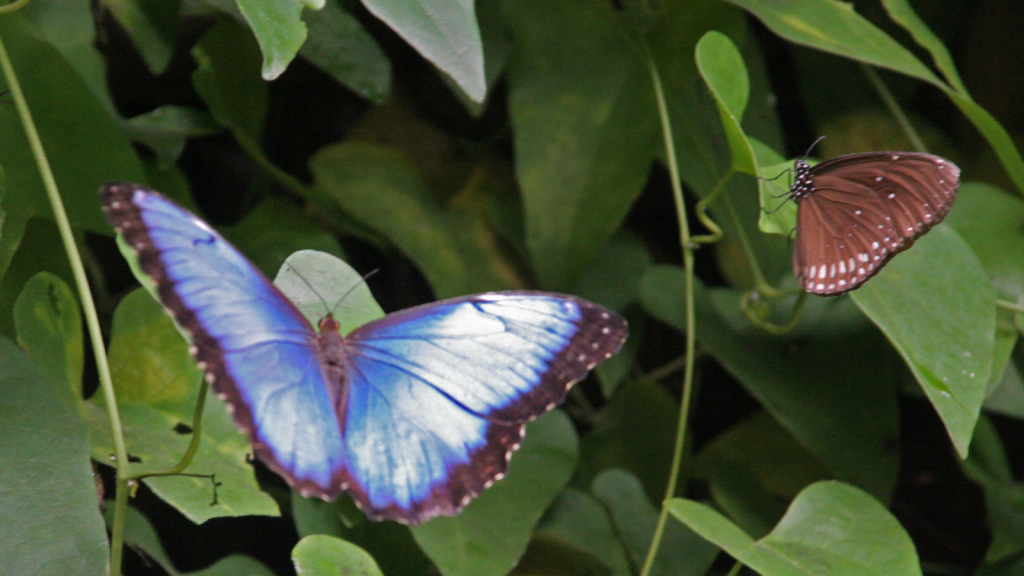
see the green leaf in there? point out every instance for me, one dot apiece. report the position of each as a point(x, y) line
point(682, 552)
point(491, 533)
point(578, 521)
point(50, 521)
point(317, 283)
point(151, 24)
point(814, 381)
point(41, 250)
point(165, 130)
point(279, 29)
point(235, 565)
point(613, 280)
point(738, 492)
point(445, 32)
point(830, 528)
point(225, 77)
point(778, 461)
point(84, 144)
point(340, 46)
point(69, 26)
point(452, 245)
point(49, 327)
point(989, 221)
point(390, 543)
point(585, 131)
point(276, 228)
point(1000, 140)
point(140, 534)
point(329, 556)
point(149, 361)
point(779, 214)
point(989, 468)
point(942, 320)
point(636, 432)
point(901, 13)
point(835, 27)
point(754, 469)
point(723, 70)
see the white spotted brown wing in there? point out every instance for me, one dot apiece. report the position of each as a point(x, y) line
point(857, 211)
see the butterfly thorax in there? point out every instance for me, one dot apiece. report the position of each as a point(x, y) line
point(802, 186)
point(332, 346)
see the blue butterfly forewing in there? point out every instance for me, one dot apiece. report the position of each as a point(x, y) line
point(413, 414)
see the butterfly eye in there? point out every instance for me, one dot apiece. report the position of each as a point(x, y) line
point(856, 212)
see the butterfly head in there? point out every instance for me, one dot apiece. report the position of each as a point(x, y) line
point(329, 324)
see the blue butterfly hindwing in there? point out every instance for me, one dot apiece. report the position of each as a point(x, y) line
point(414, 414)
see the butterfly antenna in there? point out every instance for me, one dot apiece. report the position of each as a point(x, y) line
point(308, 285)
point(808, 153)
point(354, 286)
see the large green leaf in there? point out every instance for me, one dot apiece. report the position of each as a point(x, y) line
point(830, 528)
point(84, 144)
point(754, 469)
point(635, 432)
point(276, 228)
point(445, 32)
point(151, 24)
point(41, 250)
point(582, 111)
point(942, 320)
point(70, 28)
point(226, 79)
point(682, 552)
point(328, 556)
point(279, 29)
point(50, 522)
point(815, 382)
point(49, 326)
point(722, 68)
point(579, 522)
point(452, 245)
point(340, 46)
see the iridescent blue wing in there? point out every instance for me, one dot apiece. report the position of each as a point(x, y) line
point(438, 394)
point(414, 413)
point(258, 351)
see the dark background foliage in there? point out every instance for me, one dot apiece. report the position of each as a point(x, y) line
point(251, 169)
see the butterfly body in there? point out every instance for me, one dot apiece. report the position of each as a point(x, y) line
point(413, 414)
point(859, 210)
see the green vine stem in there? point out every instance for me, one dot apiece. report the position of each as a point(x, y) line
point(1018, 308)
point(691, 324)
point(197, 433)
point(85, 295)
point(13, 6)
point(894, 108)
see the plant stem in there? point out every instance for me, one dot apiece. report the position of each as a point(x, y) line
point(85, 295)
point(691, 328)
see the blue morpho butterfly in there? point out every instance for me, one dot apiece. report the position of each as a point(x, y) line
point(413, 414)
